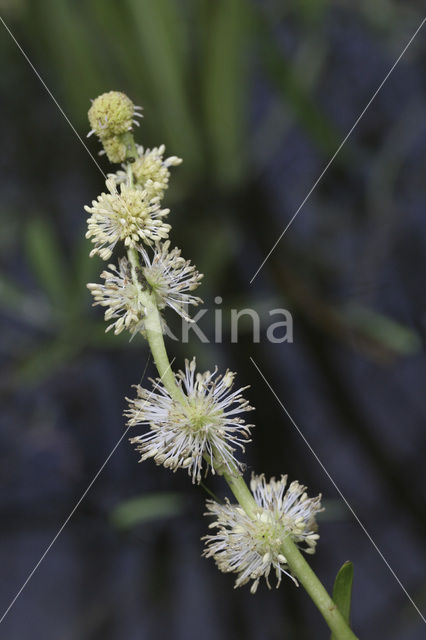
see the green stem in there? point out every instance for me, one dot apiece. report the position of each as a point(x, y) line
point(316, 591)
point(156, 344)
point(154, 332)
point(131, 150)
point(239, 488)
point(242, 493)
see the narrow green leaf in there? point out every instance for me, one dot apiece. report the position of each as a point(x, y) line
point(32, 308)
point(45, 258)
point(225, 82)
point(288, 83)
point(342, 591)
point(85, 269)
point(158, 26)
point(116, 40)
point(145, 508)
point(388, 332)
point(74, 54)
point(11, 297)
point(45, 360)
point(311, 11)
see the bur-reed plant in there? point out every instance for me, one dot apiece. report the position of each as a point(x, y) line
point(190, 420)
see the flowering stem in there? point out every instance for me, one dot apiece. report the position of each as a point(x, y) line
point(297, 564)
point(242, 493)
point(239, 488)
point(154, 332)
point(114, 110)
point(156, 344)
point(316, 591)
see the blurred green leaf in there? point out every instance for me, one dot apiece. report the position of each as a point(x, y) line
point(74, 52)
point(160, 29)
point(383, 329)
point(145, 508)
point(32, 309)
point(225, 85)
point(85, 270)
point(117, 41)
point(290, 85)
point(342, 591)
point(311, 11)
point(218, 248)
point(45, 360)
point(334, 511)
point(45, 257)
point(11, 297)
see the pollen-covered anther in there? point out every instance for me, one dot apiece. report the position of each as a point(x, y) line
point(251, 547)
point(202, 430)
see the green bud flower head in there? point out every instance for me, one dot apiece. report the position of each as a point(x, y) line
point(114, 149)
point(112, 114)
point(151, 171)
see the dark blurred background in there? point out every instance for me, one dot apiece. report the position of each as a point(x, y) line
point(256, 97)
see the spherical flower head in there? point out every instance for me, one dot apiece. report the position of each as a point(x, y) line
point(128, 215)
point(112, 114)
point(203, 428)
point(120, 295)
point(252, 546)
point(150, 170)
point(170, 278)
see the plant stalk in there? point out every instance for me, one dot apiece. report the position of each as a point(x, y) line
point(316, 591)
point(239, 488)
point(154, 333)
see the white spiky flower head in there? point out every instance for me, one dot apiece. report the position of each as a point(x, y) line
point(170, 278)
point(201, 428)
point(167, 277)
point(112, 114)
point(150, 170)
point(120, 295)
point(252, 546)
point(129, 215)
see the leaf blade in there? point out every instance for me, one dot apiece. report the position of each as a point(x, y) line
point(342, 591)
point(141, 509)
point(45, 256)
